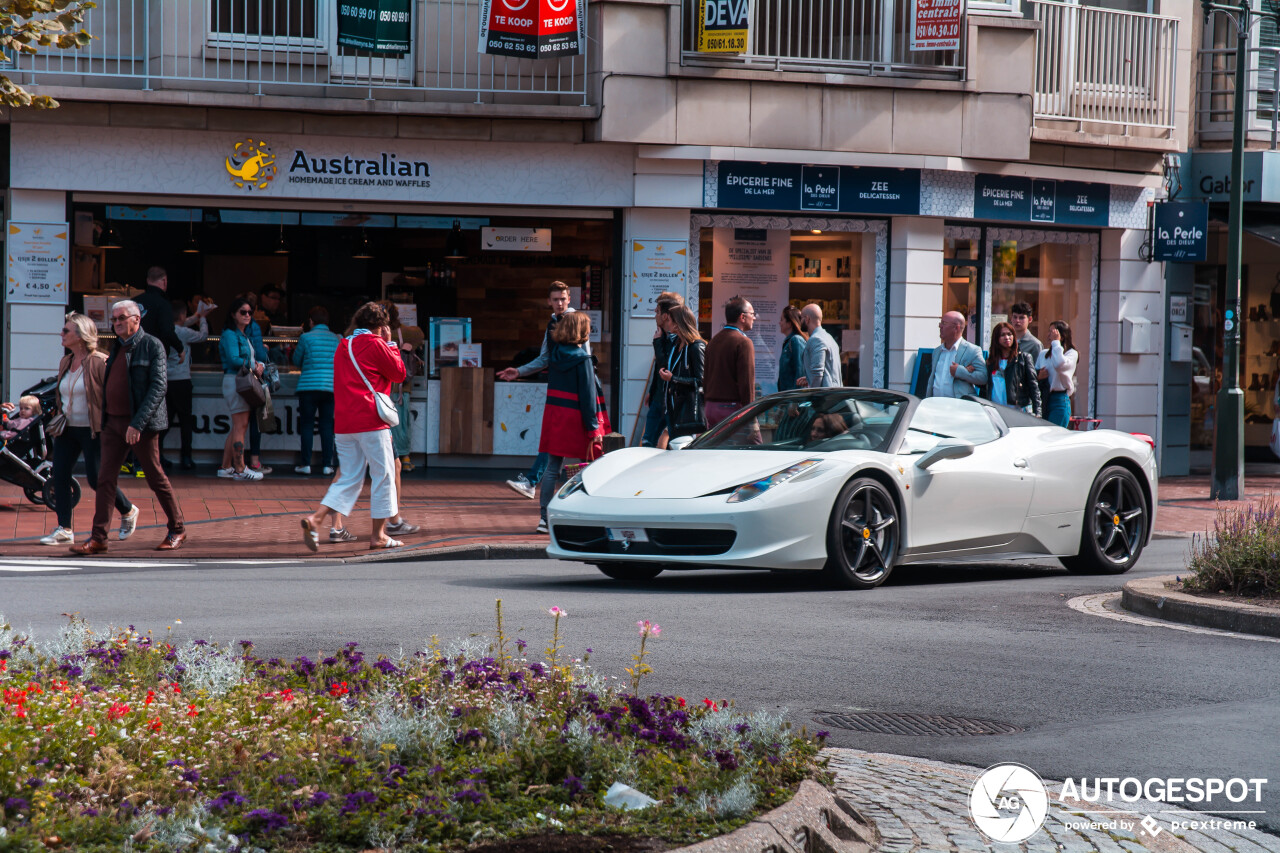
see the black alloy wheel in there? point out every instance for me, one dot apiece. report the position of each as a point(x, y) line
point(632, 572)
point(1115, 525)
point(863, 535)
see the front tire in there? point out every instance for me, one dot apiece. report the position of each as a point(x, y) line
point(863, 536)
point(48, 495)
point(633, 573)
point(1115, 525)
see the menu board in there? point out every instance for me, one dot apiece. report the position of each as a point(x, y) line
point(37, 262)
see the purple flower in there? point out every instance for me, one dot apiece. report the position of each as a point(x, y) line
point(34, 783)
point(680, 791)
point(573, 785)
point(726, 759)
point(287, 780)
point(469, 736)
point(16, 804)
point(822, 735)
point(89, 812)
point(190, 776)
point(319, 798)
point(358, 800)
point(177, 762)
point(469, 795)
point(266, 820)
point(226, 798)
point(386, 667)
point(346, 761)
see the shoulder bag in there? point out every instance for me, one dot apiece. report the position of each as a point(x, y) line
point(248, 385)
point(382, 402)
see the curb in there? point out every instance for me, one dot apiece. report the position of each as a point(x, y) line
point(815, 819)
point(1151, 597)
point(454, 552)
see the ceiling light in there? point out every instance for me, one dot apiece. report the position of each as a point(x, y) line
point(363, 250)
point(282, 248)
point(455, 245)
point(110, 239)
point(192, 247)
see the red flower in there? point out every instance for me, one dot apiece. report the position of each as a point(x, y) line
point(680, 701)
point(116, 711)
point(151, 697)
point(89, 730)
point(712, 705)
point(20, 712)
point(4, 665)
point(177, 689)
point(286, 695)
point(155, 725)
point(338, 689)
point(192, 712)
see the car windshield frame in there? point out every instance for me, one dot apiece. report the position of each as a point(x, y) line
point(823, 401)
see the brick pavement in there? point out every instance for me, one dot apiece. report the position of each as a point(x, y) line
point(229, 519)
point(922, 806)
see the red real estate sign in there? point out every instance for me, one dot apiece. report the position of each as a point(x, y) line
point(533, 29)
point(935, 24)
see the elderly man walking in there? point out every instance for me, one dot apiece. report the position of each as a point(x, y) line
point(958, 367)
point(820, 362)
point(133, 417)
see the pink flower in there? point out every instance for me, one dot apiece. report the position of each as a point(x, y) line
point(648, 629)
point(557, 612)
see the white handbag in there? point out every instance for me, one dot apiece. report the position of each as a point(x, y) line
point(382, 402)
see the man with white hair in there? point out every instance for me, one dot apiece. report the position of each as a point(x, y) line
point(820, 361)
point(133, 417)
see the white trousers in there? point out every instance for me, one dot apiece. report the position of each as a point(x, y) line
point(358, 452)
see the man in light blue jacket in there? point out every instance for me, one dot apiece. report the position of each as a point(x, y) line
point(958, 367)
point(820, 363)
point(314, 354)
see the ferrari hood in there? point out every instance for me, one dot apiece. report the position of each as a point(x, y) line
point(648, 473)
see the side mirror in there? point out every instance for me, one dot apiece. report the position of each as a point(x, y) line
point(948, 448)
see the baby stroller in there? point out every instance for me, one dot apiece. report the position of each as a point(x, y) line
point(29, 463)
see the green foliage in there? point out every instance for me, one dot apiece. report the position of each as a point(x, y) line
point(26, 26)
point(115, 741)
point(1242, 554)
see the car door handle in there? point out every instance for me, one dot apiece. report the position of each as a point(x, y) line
point(1019, 463)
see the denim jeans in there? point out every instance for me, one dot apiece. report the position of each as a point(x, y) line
point(655, 421)
point(547, 488)
point(534, 474)
point(66, 450)
point(309, 404)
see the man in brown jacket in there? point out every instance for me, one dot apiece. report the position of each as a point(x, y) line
point(730, 380)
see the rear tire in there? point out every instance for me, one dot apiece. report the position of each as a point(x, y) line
point(47, 494)
point(1114, 530)
point(36, 496)
point(633, 573)
point(863, 536)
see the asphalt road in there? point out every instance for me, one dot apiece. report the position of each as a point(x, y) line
point(1092, 696)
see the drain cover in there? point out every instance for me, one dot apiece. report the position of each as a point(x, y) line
point(928, 725)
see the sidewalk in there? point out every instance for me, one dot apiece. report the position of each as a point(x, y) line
point(232, 520)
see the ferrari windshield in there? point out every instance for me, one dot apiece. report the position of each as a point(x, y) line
point(826, 420)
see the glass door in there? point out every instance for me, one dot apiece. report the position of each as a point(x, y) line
point(962, 278)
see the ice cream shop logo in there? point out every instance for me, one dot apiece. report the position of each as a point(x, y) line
point(251, 165)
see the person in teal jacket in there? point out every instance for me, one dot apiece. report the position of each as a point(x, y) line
point(314, 354)
point(789, 362)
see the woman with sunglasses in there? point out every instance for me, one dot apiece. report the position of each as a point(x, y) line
point(237, 352)
point(79, 399)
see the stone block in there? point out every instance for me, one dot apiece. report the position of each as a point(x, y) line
point(147, 115)
point(928, 122)
point(857, 119)
point(786, 115)
point(713, 112)
point(638, 109)
point(997, 127)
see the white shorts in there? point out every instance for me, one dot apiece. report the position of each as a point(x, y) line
point(235, 403)
point(358, 451)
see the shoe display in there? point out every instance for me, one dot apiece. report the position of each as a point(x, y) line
point(522, 486)
point(173, 541)
point(1255, 385)
point(404, 528)
point(302, 469)
point(542, 527)
point(340, 535)
point(226, 473)
point(89, 546)
point(247, 475)
point(59, 536)
point(1266, 382)
point(129, 523)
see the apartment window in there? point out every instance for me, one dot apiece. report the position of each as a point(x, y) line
point(264, 19)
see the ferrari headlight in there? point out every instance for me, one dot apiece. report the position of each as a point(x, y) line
point(754, 489)
point(573, 485)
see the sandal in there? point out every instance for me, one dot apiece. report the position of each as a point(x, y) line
point(310, 537)
point(390, 543)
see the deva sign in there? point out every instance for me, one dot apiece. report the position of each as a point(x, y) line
point(723, 26)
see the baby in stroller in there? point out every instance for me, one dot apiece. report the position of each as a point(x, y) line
point(24, 435)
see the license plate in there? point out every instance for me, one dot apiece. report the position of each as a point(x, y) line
point(627, 534)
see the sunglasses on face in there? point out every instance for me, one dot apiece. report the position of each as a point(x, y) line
point(246, 312)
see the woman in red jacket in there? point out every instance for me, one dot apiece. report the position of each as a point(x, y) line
point(364, 362)
point(573, 421)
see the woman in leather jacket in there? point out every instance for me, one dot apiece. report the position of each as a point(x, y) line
point(1012, 373)
point(683, 375)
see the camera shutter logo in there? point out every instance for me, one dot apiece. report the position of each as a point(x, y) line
point(251, 165)
point(1008, 803)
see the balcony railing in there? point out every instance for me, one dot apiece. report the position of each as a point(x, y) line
point(828, 36)
point(1115, 70)
point(1215, 90)
point(289, 47)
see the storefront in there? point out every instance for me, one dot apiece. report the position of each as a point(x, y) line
point(464, 237)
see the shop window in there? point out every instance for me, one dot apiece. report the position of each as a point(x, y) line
point(962, 270)
point(776, 268)
point(1056, 280)
point(255, 20)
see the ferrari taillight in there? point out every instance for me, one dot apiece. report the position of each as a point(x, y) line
point(1142, 436)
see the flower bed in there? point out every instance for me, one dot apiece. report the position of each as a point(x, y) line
point(1241, 556)
point(117, 740)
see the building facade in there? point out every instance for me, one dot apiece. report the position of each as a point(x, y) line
point(827, 161)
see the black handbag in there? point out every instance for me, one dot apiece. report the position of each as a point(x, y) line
point(690, 414)
point(250, 389)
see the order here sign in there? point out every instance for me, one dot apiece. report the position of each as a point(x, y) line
point(935, 24)
point(533, 29)
point(723, 26)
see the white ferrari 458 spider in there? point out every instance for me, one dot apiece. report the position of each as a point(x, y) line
point(855, 481)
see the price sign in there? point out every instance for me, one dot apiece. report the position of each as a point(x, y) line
point(37, 262)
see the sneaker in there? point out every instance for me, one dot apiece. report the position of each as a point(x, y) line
point(140, 474)
point(129, 523)
point(340, 535)
point(59, 536)
point(302, 469)
point(248, 474)
point(403, 528)
point(542, 526)
point(261, 469)
point(405, 464)
point(227, 473)
point(522, 486)
point(327, 471)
